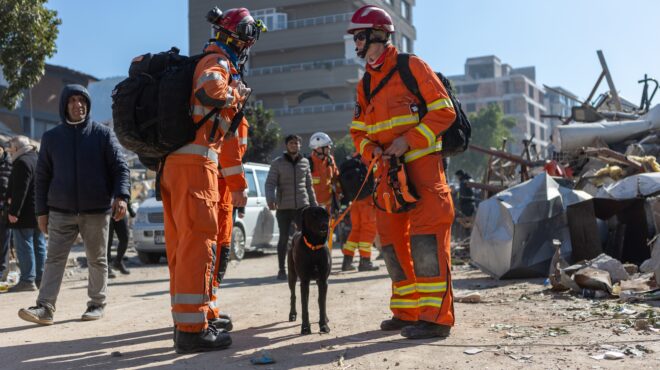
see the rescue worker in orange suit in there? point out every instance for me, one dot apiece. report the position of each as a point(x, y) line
point(415, 243)
point(189, 182)
point(363, 232)
point(324, 171)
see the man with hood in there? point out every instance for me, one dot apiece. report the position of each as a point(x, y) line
point(81, 181)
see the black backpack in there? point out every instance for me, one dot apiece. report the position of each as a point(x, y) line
point(457, 138)
point(352, 174)
point(151, 108)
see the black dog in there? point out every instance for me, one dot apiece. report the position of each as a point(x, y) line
point(309, 258)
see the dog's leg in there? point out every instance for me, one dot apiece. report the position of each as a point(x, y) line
point(323, 317)
point(292, 285)
point(304, 297)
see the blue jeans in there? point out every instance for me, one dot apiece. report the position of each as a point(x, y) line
point(31, 253)
point(5, 237)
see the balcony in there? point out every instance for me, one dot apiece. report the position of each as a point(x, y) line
point(303, 76)
point(306, 66)
point(311, 109)
point(301, 37)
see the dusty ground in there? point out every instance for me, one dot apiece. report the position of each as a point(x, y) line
point(518, 324)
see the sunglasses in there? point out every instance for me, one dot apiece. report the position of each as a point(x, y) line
point(360, 36)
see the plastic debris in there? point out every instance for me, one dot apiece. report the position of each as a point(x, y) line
point(467, 297)
point(473, 351)
point(263, 357)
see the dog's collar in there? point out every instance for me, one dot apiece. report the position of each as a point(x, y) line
point(311, 246)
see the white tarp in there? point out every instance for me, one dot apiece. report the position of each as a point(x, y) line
point(513, 230)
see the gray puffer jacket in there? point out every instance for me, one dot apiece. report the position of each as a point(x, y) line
point(293, 181)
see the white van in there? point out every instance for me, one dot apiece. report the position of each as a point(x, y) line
point(256, 230)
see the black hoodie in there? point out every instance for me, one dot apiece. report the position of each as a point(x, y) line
point(81, 167)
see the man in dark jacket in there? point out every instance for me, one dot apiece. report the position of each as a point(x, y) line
point(82, 178)
point(291, 178)
point(28, 239)
point(5, 231)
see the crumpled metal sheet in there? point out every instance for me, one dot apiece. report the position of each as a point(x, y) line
point(636, 186)
point(513, 230)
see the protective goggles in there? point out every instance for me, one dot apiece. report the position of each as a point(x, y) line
point(360, 36)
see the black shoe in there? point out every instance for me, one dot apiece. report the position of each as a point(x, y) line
point(281, 275)
point(93, 313)
point(366, 265)
point(224, 315)
point(38, 314)
point(221, 323)
point(425, 329)
point(23, 286)
point(118, 264)
point(347, 264)
point(208, 340)
point(395, 324)
point(111, 274)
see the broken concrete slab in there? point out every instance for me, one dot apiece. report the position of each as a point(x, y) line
point(592, 278)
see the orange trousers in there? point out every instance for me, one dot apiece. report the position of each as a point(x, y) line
point(416, 249)
point(225, 225)
point(189, 188)
point(363, 228)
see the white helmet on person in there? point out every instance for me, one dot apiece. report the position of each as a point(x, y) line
point(319, 140)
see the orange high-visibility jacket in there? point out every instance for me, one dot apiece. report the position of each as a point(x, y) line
point(397, 115)
point(212, 79)
point(324, 174)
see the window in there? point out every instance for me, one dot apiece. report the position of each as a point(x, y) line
point(405, 10)
point(261, 178)
point(252, 186)
point(530, 109)
point(507, 107)
point(405, 44)
point(507, 87)
point(273, 20)
point(531, 91)
point(471, 107)
point(388, 2)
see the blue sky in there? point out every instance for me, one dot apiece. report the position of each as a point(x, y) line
point(558, 37)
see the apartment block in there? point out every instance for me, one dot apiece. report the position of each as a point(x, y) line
point(305, 68)
point(489, 81)
point(558, 103)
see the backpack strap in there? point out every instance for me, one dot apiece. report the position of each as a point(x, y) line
point(366, 83)
point(403, 62)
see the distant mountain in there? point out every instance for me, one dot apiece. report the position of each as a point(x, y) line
point(101, 101)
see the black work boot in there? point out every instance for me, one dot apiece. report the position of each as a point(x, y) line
point(347, 264)
point(221, 323)
point(210, 339)
point(118, 264)
point(366, 265)
point(111, 274)
point(39, 314)
point(425, 329)
point(395, 324)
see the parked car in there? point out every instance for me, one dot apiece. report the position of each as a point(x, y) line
point(256, 230)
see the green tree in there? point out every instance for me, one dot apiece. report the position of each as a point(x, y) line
point(264, 134)
point(343, 148)
point(489, 127)
point(27, 37)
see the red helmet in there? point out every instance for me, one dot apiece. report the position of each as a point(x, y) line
point(371, 16)
point(237, 25)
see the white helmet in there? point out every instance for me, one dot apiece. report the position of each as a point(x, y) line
point(319, 140)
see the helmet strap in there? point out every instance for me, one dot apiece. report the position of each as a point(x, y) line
point(368, 32)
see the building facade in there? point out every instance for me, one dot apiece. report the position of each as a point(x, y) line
point(489, 81)
point(558, 103)
point(39, 110)
point(305, 68)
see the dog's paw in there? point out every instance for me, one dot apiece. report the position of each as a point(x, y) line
point(324, 328)
point(306, 330)
point(293, 316)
